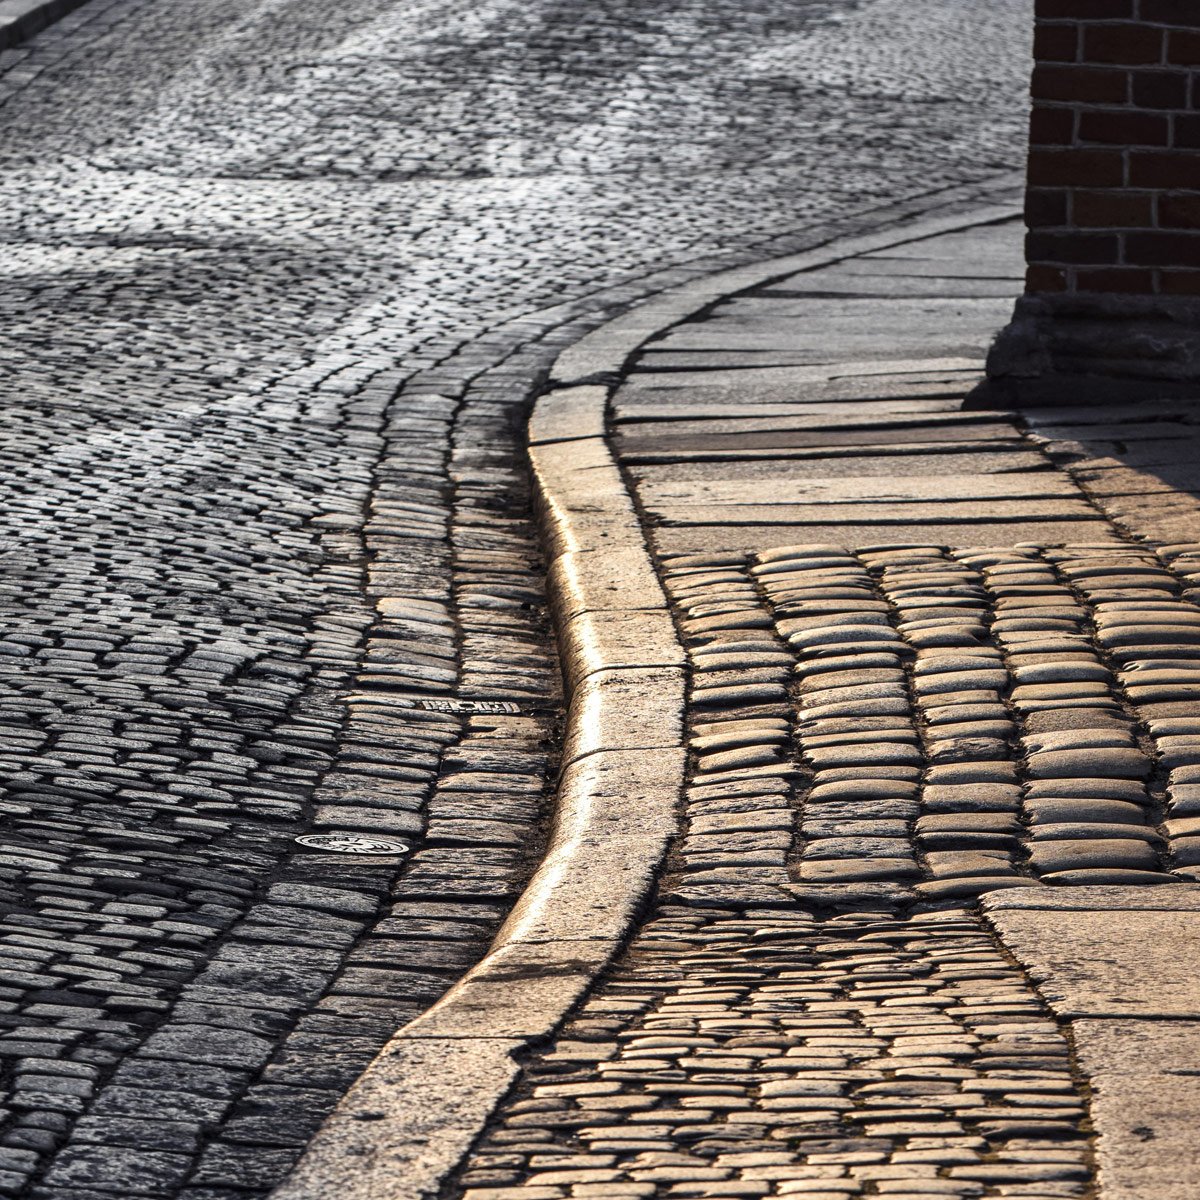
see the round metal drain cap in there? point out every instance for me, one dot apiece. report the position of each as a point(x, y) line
point(352, 843)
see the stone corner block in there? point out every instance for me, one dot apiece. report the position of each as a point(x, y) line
point(1108, 962)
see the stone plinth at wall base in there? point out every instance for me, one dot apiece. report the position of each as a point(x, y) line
point(1094, 348)
point(1061, 390)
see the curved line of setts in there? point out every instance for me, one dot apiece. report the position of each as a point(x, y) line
point(412, 1116)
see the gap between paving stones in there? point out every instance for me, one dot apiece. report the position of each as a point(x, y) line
point(415, 1112)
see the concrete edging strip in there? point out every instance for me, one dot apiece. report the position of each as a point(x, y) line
point(417, 1109)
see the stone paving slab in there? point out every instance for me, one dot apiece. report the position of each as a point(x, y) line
point(821, 328)
point(864, 467)
point(729, 537)
point(885, 512)
point(866, 384)
point(886, 376)
point(1145, 1093)
point(1088, 898)
point(784, 490)
point(1109, 961)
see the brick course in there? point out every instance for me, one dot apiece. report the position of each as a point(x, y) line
point(1114, 164)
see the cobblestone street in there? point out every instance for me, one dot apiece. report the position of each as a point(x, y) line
point(279, 281)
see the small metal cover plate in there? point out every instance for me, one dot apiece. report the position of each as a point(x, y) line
point(352, 843)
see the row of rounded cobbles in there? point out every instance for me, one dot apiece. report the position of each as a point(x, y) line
point(765, 1052)
point(855, 719)
point(798, 686)
point(951, 722)
point(740, 799)
point(1146, 624)
point(1025, 735)
point(1089, 813)
point(967, 832)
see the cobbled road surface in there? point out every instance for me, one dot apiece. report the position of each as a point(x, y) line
point(278, 278)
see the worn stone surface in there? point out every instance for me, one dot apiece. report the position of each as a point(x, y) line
point(447, 1084)
point(1144, 1099)
point(1180, 899)
point(764, 1052)
point(1109, 962)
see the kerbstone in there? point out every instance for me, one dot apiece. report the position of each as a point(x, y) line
point(402, 1129)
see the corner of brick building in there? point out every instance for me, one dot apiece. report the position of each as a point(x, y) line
point(1112, 297)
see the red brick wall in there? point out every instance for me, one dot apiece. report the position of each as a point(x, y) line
point(1114, 161)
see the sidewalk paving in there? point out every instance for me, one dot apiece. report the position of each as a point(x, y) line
point(950, 948)
point(826, 407)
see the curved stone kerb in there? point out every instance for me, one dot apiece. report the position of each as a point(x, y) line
point(398, 1136)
